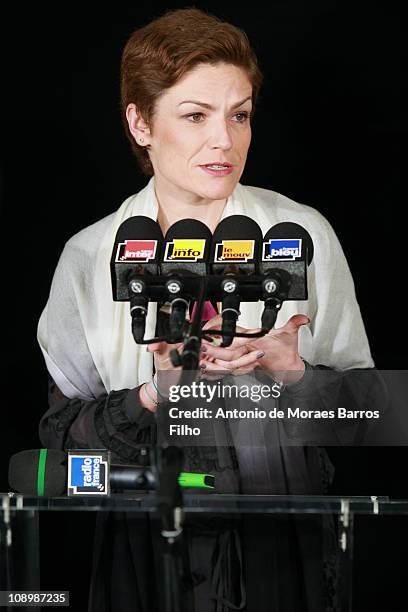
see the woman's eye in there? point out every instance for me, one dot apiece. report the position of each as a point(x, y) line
point(195, 115)
point(244, 117)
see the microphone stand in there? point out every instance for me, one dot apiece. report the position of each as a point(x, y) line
point(169, 500)
point(190, 357)
point(169, 464)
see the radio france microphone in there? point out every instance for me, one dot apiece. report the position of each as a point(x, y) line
point(135, 256)
point(235, 251)
point(51, 473)
point(287, 250)
point(185, 260)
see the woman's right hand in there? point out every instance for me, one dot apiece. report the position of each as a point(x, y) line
point(162, 364)
point(161, 355)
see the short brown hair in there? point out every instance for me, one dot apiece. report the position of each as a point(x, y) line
point(156, 56)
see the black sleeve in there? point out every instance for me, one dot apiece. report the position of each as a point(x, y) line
point(116, 421)
point(360, 394)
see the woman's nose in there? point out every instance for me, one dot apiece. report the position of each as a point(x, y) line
point(221, 137)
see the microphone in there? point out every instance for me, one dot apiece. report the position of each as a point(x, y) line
point(235, 251)
point(185, 258)
point(287, 250)
point(33, 472)
point(136, 254)
point(44, 472)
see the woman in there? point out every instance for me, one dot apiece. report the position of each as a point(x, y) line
point(189, 85)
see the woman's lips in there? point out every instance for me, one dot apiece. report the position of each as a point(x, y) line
point(223, 172)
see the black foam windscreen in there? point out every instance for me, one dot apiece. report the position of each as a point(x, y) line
point(137, 249)
point(188, 228)
point(23, 475)
point(187, 247)
point(237, 240)
point(288, 230)
point(138, 228)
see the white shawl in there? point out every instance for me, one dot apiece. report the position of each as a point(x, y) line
point(86, 337)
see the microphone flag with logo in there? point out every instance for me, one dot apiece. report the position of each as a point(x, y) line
point(185, 259)
point(235, 252)
point(135, 260)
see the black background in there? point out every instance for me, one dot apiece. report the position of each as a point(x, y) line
point(329, 132)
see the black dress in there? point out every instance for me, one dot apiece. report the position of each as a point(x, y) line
point(284, 563)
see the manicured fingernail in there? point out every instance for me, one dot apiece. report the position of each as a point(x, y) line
point(202, 366)
point(203, 349)
point(260, 354)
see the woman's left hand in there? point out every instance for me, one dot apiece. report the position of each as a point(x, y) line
point(234, 359)
point(276, 352)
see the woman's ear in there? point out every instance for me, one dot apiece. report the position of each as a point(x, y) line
point(137, 126)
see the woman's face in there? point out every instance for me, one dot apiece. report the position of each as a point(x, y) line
point(214, 128)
